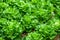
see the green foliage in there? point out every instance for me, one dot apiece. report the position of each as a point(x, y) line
point(29, 19)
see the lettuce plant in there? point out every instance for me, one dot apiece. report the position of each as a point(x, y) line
point(29, 19)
